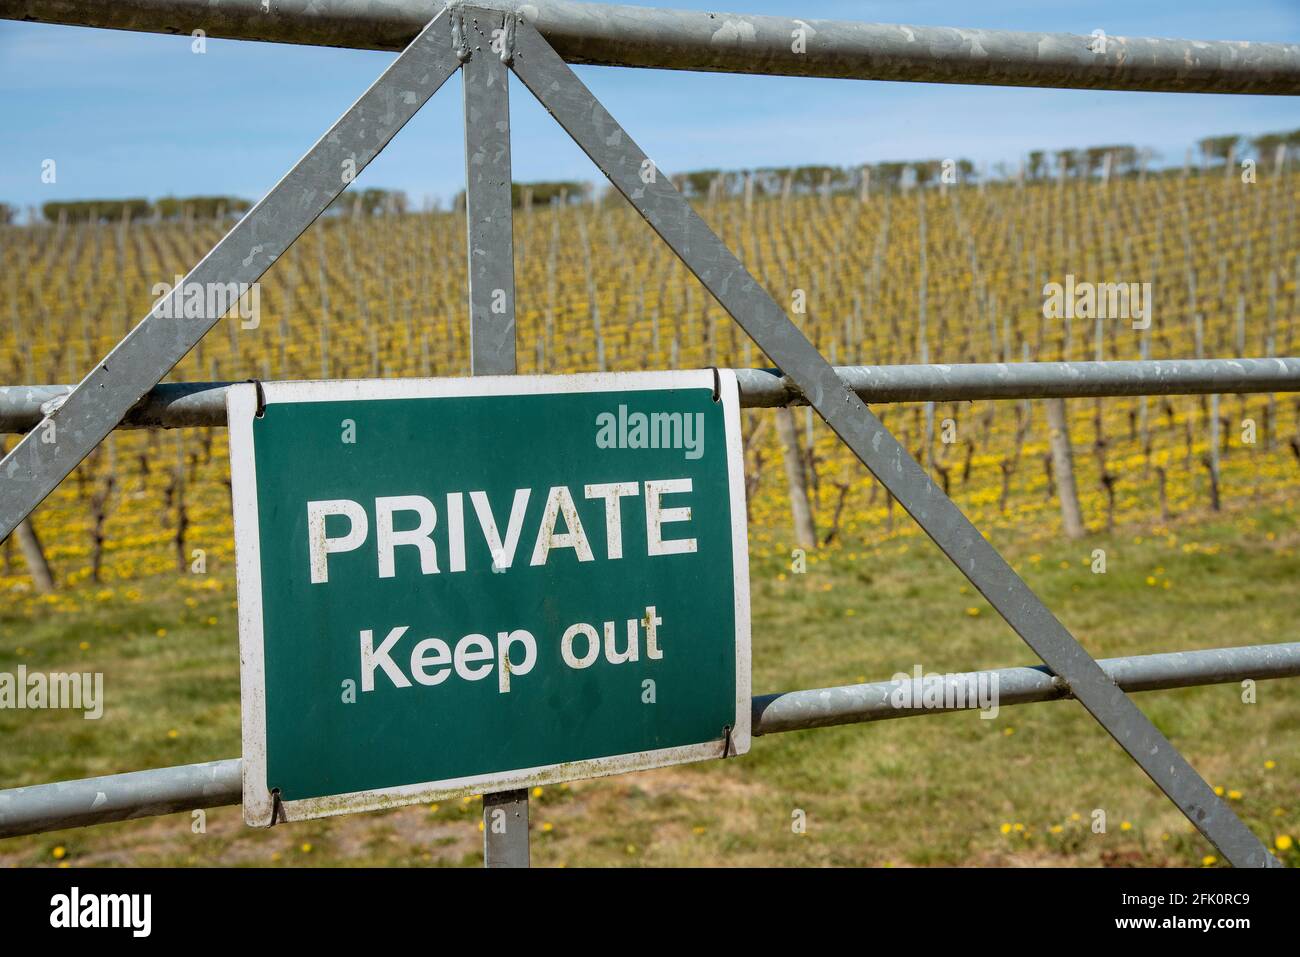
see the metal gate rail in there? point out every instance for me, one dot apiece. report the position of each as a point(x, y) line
point(615, 35)
point(119, 797)
point(174, 405)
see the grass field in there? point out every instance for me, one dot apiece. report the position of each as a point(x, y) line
point(1020, 789)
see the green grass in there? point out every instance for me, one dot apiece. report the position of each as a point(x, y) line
point(938, 790)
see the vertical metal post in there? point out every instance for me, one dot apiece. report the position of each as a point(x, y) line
point(505, 829)
point(487, 40)
point(485, 43)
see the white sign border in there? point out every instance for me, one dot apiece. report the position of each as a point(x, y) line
point(241, 407)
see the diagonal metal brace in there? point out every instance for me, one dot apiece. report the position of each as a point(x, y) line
point(652, 194)
point(68, 434)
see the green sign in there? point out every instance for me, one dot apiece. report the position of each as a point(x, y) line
point(458, 586)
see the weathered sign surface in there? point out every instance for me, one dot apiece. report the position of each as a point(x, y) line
point(458, 586)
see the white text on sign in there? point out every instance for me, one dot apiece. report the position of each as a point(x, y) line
point(432, 661)
point(559, 506)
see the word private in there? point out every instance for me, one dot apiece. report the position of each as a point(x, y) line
point(560, 526)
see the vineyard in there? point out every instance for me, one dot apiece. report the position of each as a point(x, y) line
point(927, 275)
point(1191, 495)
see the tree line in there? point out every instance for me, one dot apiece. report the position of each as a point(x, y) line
point(1271, 152)
point(1118, 160)
point(540, 193)
point(138, 208)
point(358, 202)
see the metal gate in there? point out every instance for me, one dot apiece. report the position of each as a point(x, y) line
point(485, 41)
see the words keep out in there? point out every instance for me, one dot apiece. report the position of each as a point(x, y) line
point(432, 660)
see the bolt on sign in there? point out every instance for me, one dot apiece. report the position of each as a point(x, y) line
point(459, 586)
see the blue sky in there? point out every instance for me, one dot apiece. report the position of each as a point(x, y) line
point(127, 114)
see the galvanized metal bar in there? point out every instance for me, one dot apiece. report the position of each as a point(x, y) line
point(616, 35)
point(972, 382)
point(879, 701)
point(672, 217)
point(38, 463)
point(170, 405)
point(485, 44)
point(118, 797)
point(174, 405)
